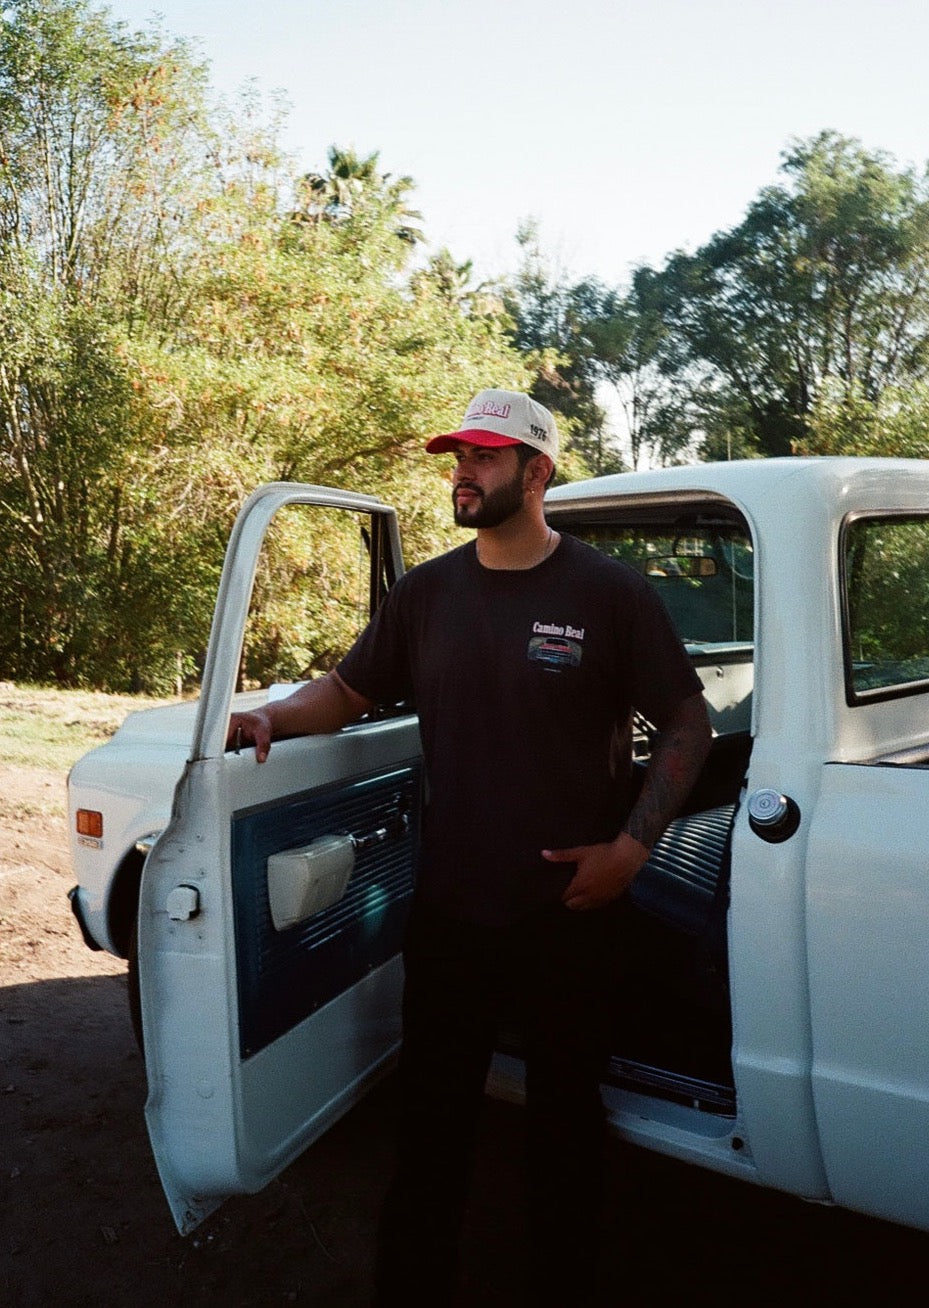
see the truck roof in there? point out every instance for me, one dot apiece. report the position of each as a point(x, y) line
point(746, 481)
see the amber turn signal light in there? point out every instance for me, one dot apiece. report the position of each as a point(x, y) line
point(89, 823)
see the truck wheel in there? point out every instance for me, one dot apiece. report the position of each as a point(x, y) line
point(134, 993)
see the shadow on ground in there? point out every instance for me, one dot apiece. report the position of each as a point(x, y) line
point(84, 1220)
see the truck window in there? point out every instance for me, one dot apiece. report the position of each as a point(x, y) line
point(705, 575)
point(885, 573)
point(321, 573)
point(704, 572)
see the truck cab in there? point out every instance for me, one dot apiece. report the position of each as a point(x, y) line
point(774, 1001)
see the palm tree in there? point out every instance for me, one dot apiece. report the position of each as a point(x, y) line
point(353, 186)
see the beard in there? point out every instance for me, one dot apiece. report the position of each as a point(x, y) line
point(494, 507)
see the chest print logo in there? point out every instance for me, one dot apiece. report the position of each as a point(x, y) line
point(556, 647)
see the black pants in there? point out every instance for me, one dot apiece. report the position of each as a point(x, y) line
point(551, 974)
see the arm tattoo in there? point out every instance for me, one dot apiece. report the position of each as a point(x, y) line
point(674, 766)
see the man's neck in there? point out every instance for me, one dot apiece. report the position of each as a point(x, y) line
point(516, 546)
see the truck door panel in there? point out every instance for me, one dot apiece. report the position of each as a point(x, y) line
point(868, 927)
point(258, 1038)
point(283, 976)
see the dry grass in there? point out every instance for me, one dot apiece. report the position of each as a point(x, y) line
point(50, 729)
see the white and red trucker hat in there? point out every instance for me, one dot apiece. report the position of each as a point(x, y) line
point(497, 418)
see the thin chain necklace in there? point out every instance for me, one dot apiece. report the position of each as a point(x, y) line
point(550, 542)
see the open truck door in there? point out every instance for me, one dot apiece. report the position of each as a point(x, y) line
point(272, 906)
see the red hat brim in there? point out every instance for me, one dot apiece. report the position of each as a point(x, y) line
point(472, 436)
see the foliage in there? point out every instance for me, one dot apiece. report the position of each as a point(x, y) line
point(803, 328)
point(352, 188)
point(183, 318)
point(843, 421)
point(180, 320)
point(632, 350)
point(887, 583)
point(90, 207)
point(822, 288)
point(548, 324)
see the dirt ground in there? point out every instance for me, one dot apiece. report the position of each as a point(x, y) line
point(83, 1220)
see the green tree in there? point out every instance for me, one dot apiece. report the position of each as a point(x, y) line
point(843, 422)
point(589, 343)
point(631, 350)
point(320, 356)
point(823, 284)
point(549, 321)
point(180, 320)
point(96, 134)
point(351, 188)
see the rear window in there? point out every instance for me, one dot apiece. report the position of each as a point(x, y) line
point(885, 574)
point(704, 574)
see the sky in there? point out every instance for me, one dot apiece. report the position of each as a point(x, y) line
point(625, 129)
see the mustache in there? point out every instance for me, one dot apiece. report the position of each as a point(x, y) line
point(468, 486)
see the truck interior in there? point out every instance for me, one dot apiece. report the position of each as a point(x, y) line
point(673, 1035)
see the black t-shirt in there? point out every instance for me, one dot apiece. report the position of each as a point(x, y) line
point(522, 680)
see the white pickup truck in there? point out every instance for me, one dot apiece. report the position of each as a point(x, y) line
point(775, 1022)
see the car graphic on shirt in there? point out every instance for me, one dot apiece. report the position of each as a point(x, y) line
point(554, 653)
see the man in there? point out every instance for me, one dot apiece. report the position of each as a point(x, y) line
point(525, 653)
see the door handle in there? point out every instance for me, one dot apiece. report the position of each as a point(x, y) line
point(395, 825)
point(376, 837)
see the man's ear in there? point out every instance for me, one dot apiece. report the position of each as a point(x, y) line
point(538, 472)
